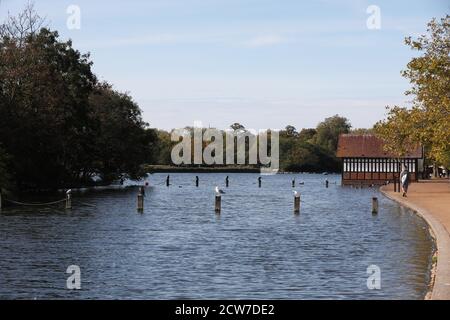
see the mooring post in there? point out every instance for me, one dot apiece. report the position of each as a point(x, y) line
point(297, 204)
point(374, 205)
point(226, 181)
point(142, 191)
point(218, 205)
point(259, 182)
point(168, 181)
point(395, 182)
point(69, 201)
point(196, 181)
point(293, 183)
point(140, 202)
point(326, 183)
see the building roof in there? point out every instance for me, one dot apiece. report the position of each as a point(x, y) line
point(368, 146)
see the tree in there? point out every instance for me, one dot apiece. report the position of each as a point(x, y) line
point(163, 148)
point(20, 27)
point(122, 142)
point(306, 135)
point(237, 126)
point(428, 121)
point(362, 131)
point(291, 131)
point(308, 157)
point(58, 125)
point(44, 90)
point(5, 174)
point(312, 150)
point(328, 131)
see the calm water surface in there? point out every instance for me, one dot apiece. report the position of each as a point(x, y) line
point(180, 249)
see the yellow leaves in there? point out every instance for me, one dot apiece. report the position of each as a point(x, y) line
point(428, 122)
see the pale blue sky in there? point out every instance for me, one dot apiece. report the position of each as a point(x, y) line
point(263, 63)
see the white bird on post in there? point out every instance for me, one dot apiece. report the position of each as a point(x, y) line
point(219, 191)
point(69, 199)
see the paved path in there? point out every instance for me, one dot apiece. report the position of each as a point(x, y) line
point(431, 200)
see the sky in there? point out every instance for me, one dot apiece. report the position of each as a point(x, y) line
point(262, 63)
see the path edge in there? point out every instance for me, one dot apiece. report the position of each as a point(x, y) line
point(441, 285)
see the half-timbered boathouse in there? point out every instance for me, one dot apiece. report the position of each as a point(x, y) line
point(364, 161)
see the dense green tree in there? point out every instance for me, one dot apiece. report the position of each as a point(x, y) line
point(5, 173)
point(163, 148)
point(329, 130)
point(312, 150)
point(121, 139)
point(308, 157)
point(45, 85)
point(307, 135)
point(58, 126)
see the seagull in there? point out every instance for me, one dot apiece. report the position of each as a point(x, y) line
point(219, 191)
point(69, 191)
point(296, 194)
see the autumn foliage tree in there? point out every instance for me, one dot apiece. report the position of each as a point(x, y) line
point(58, 126)
point(428, 121)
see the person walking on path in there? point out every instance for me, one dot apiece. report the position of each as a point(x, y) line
point(404, 179)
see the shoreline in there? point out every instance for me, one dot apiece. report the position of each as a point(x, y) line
point(439, 286)
point(223, 169)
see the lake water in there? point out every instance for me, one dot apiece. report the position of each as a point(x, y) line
point(180, 249)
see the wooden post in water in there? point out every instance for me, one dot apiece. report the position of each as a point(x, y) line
point(374, 205)
point(140, 202)
point(227, 181)
point(168, 181)
point(297, 204)
point(259, 182)
point(218, 204)
point(293, 183)
point(326, 183)
point(196, 181)
point(69, 201)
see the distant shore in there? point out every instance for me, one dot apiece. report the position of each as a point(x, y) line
point(166, 168)
point(430, 199)
point(203, 169)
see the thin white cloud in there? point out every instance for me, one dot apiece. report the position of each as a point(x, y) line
point(148, 40)
point(265, 41)
point(199, 38)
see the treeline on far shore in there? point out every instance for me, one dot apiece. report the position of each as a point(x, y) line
point(306, 150)
point(61, 127)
